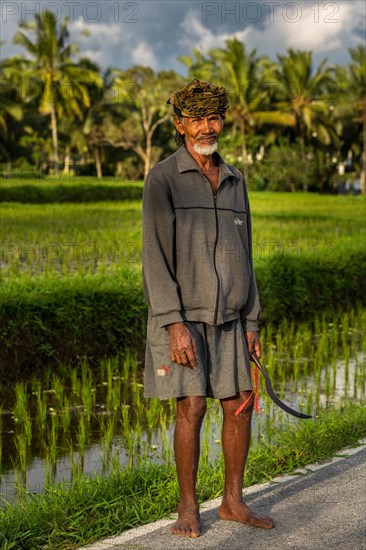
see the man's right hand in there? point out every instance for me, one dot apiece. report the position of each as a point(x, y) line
point(183, 348)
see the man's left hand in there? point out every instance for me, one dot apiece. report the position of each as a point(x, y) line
point(253, 342)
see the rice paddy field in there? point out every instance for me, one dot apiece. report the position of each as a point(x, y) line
point(72, 423)
point(82, 419)
point(66, 239)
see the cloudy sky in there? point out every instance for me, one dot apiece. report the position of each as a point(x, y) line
point(156, 32)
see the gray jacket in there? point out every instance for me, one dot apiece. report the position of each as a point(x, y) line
point(197, 246)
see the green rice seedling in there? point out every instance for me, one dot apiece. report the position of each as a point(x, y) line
point(41, 414)
point(356, 390)
point(21, 445)
point(150, 417)
point(116, 464)
point(109, 373)
point(270, 361)
point(107, 432)
point(66, 415)
point(129, 364)
point(136, 393)
point(75, 385)
point(334, 376)
point(205, 439)
point(125, 417)
point(323, 345)
point(327, 385)
point(58, 392)
point(81, 435)
point(138, 411)
point(130, 445)
point(27, 428)
point(279, 341)
point(52, 449)
point(166, 447)
point(266, 405)
point(310, 404)
point(164, 416)
point(21, 401)
point(281, 382)
point(138, 433)
point(295, 374)
point(48, 477)
point(126, 369)
point(74, 464)
point(344, 324)
point(152, 410)
point(87, 391)
point(305, 371)
point(114, 393)
point(172, 410)
point(20, 482)
point(131, 442)
point(292, 332)
point(133, 384)
point(268, 423)
point(346, 375)
point(320, 326)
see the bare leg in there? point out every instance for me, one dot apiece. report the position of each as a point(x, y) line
point(235, 441)
point(190, 413)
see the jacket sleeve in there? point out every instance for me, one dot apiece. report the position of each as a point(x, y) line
point(250, 313)
point(158, 243)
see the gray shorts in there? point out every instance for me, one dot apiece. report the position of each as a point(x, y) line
point(222, 362)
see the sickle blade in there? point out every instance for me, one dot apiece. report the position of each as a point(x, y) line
point(272, 394)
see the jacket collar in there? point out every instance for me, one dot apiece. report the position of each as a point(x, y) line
point(186, 163)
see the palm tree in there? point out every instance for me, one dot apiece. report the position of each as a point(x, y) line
point(351, 107)
point(103, 109)
point(305, 93)
point(11, 108)
point(60, 84)
point(9, 105)
point(243, 75)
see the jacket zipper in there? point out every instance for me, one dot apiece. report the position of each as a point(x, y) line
point(215, 250)
point(214, 255)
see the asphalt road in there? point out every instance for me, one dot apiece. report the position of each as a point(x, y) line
point(320, 507)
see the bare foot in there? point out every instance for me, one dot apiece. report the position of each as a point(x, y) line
point(239, 511)
point(188, 523)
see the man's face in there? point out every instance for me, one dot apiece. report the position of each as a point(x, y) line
point(201, 134)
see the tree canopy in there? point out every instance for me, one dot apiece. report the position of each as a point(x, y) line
point(58, 108)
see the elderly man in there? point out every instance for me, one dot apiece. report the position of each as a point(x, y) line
point(203, 303)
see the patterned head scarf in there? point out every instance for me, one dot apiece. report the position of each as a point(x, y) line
point(199, 98)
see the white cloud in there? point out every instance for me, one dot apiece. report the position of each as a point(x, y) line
point(106, 43)
point(311, 27)
point(166, 30)
point(102, 35)
point(195, 35)
point(319, 27)
point(102, 43)
point(143, 55)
